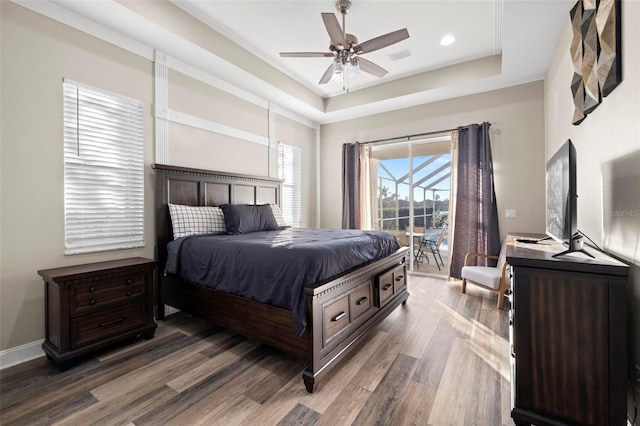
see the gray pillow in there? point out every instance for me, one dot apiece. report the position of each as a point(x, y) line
point(246, 218)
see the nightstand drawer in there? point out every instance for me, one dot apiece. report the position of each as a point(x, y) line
point(104, 324)
point(92, 295)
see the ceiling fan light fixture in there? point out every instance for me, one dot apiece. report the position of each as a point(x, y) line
point(337, 70)
point(354, 69)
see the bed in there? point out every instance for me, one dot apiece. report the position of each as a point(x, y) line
point(340, 309)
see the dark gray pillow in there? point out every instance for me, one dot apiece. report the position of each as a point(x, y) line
point(245, 218)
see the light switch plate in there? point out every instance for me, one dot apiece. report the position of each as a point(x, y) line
point(511, 212)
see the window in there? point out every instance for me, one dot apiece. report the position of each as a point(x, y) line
point(103, 170)
point(289, 169)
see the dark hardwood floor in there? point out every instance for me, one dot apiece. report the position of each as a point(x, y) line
point(442, 359)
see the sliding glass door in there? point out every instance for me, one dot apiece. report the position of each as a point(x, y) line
point(413, 180)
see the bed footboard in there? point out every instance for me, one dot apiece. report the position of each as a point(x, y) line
point(344, 310)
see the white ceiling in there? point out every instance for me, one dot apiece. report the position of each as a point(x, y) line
point(524, 32)
point(499, 43)
point(268, 27)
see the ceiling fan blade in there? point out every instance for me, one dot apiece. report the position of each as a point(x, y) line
point(306, 54)
point(381, 41)
point(333, 28)
point(371, 68)
point(327, 75)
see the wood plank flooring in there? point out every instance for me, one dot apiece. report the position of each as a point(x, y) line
point(442, 359)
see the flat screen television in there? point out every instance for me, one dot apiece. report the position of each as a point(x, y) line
point(562, 199)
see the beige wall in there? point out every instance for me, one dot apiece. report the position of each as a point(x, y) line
point(517, 141)
point(608, 156)
point(37, 53)
point(194, 147)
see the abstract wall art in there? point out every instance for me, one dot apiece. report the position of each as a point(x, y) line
point(595, 53)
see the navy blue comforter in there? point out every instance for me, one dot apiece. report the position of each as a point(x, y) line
point(274, 266)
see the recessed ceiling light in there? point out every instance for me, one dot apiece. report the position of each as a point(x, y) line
point(447, 40)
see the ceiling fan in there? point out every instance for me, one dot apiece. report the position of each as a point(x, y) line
point(345, 49)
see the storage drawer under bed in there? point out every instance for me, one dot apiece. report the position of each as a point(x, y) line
point(340, 313)
point(391, 283)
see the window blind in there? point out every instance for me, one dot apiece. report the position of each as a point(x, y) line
point(289, 169)
point(103, 170)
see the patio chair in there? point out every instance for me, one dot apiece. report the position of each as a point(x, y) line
point(418, 246)
point(433, 245)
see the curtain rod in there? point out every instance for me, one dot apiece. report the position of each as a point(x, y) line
point(408, 137)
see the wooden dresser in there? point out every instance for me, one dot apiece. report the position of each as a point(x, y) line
point(568, 335)
point(94, 305)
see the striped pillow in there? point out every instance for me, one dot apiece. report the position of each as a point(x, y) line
point(195, 220)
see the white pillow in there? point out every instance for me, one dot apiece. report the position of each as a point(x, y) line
point(194, 220)
point(277, 213)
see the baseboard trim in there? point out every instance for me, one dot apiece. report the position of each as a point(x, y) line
point(20, 354)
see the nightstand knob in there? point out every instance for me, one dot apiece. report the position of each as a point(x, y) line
point(129, 281)
point(92, 301)
point(129, 293)
point(92, 288)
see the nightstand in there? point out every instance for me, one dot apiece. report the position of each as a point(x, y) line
point(91, 306)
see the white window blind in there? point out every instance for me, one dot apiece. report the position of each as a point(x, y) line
point(103, 170)
point(289, 169)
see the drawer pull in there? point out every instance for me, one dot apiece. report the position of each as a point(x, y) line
point(361, 300)
point(129, 281)
point(108, 323)
point(92, 289)
point(400, 278)
point(387, 287)
point(339, 316)
point(129, 293)
point(92, 301)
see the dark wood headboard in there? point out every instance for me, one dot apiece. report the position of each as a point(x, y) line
point(195, 187)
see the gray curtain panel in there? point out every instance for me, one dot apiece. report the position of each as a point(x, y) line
point(351, 186)
point(476, 215)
